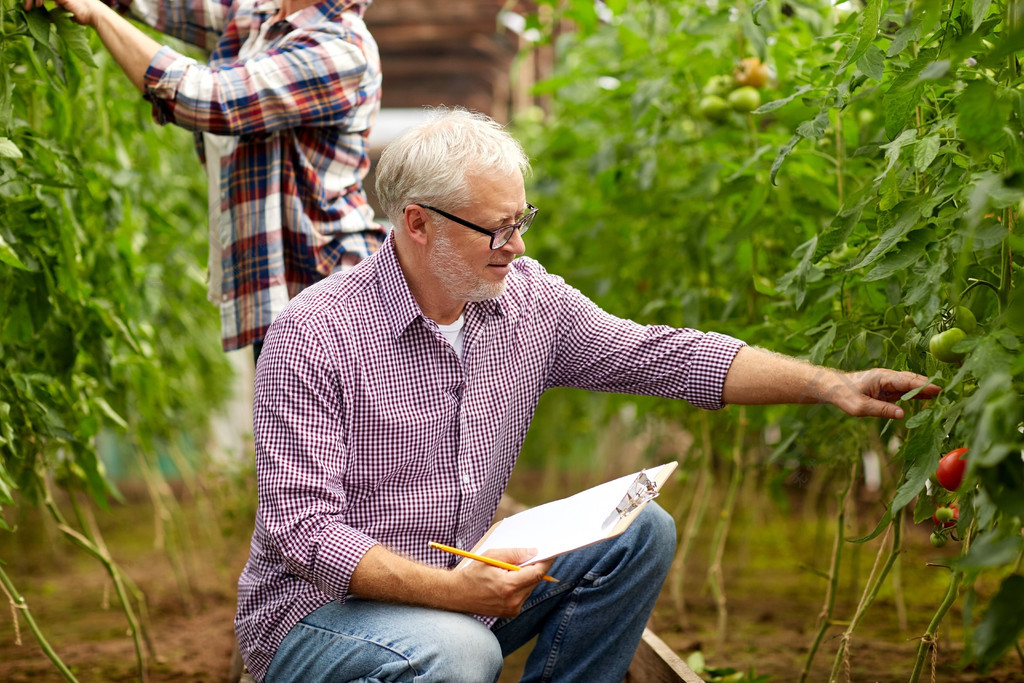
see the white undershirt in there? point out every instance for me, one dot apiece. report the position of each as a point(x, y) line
point(455, 333)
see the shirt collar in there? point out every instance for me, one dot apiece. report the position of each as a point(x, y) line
point(400, 305)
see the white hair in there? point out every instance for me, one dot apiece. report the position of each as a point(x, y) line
point(430, 163)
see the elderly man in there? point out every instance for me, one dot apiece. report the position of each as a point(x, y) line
point(391, 403)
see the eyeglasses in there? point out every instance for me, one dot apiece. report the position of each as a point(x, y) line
point(502, 235)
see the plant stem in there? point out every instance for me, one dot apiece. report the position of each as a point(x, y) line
point(18, 605)
point(100, 553)
point(722, 527)
point(825, 616)
point(693, 520)
point(874, 584)
point(928, 639)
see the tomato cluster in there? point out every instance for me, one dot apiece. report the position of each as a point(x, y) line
point(739, 92)
point(949, 474)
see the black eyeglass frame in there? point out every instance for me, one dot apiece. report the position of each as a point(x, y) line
point(523, 224)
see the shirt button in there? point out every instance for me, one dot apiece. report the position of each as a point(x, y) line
point(466, 479)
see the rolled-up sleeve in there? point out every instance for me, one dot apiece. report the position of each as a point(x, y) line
point(601, 352)
point(314, 77)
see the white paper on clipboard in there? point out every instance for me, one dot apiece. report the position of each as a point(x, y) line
point(588, 517)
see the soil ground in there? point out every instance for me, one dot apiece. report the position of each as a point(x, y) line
point(772, 588)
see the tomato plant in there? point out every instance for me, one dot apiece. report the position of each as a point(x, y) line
point(105, 332)
point(894, 129)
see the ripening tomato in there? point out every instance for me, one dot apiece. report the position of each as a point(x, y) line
point(951, 469)
point(946, 516)
point(751, 71)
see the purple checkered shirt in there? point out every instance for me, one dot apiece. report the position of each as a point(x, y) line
point(298, 105)
point(370, 429)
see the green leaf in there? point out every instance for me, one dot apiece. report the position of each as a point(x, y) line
point(8, 149)
point(879, 528)
point(934, 71)
point(908, 254)
point(922, 451)
point(979, 8)
point(872, 64)
point(982, 113)
point(777, 104)
point(989, 551)
point(75, 37)
point(925, 151)
point(38, 21)
point(8, 255)
point(908, 215)
point(867, 33)
point(1002, 623)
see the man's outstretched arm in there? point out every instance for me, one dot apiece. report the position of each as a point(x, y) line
point(760, 377)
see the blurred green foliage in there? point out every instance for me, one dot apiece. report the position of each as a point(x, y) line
point(104, 323)
point(877, 188)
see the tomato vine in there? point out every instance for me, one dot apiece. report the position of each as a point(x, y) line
point(873, 199)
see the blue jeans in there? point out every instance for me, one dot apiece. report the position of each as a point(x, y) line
point(588, 625)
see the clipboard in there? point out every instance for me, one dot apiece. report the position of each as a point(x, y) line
point(588, 517)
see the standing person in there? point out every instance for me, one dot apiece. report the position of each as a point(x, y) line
point(281, 115)
point(391, 403)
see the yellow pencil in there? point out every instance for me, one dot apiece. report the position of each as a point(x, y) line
point(486, 560)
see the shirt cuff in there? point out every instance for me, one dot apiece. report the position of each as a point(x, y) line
point(712, 359)
point(161, 82)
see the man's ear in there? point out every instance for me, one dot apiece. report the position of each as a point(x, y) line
point(417, 223)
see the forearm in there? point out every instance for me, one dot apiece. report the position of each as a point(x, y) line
point(477, 589)
point(387, 577)
point(132, 49)
point(761, 377)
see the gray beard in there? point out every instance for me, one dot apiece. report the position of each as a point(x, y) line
point(454, 273)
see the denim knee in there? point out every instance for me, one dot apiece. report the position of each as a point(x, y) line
point(658, 531)
point(463, 651)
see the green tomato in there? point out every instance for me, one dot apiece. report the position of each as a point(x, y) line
point(941, 345)
point(719, 85)
point(745, 99)
point(938, 539)
point(965, 320)
point(713, 107)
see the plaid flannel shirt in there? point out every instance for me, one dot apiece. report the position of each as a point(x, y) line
point(371, 429)
point(298, 107)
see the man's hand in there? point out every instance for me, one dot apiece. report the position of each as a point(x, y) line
point(499, 592)
point(82, 11)
point(760, 377)
point(474, 588)
point(132, 49)
point(873, 393)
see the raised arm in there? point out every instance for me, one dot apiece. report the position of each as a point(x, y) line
point(761, 377)
point(132, 49)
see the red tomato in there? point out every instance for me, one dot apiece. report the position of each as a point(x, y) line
point(951, 469)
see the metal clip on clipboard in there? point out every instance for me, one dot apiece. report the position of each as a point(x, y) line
point(640, 491)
